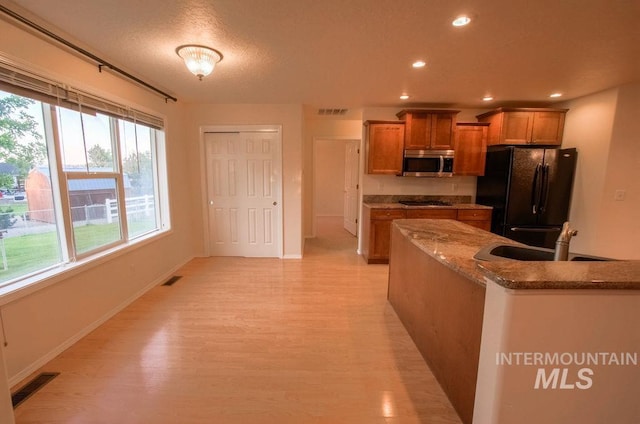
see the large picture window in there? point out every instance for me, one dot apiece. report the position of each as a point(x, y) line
point(74, 181)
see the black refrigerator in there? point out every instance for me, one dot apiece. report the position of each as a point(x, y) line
point(530, 191)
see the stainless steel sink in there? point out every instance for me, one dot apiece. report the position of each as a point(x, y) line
point(502, 252)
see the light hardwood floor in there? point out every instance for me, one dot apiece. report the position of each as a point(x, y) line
point(240, 340)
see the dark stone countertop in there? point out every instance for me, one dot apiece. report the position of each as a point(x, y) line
point(454, 243)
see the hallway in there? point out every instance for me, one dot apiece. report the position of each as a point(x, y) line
point(245, 340)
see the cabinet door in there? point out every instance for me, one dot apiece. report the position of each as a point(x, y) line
point(380, 233)
point(479, 218)
point(471, 149)
point(386, 143)
point(418, 131)
point(442, 131)
point(516, 127)
point(474, 214)
point(547, 128)
point(380, 239)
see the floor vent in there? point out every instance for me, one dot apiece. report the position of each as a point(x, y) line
point(31, 387)
point(172, 280)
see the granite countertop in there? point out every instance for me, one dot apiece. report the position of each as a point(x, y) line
point(454, 243)
point(401, 206)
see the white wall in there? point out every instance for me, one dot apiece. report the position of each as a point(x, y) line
point(558, 321)
point(619, 232)
point(290, 117)
point(328, 176)
point(604, 127)
point(40, 324)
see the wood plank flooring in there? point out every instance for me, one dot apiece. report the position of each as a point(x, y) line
point(242, 340)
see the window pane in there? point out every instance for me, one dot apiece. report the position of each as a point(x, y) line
point(137, 165)
point(86, 141)
point(27, 218)
point(94, 213)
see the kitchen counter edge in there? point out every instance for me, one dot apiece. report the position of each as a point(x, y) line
point(401, 206)
point(454, 243)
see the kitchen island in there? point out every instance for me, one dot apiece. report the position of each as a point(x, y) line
point(512, 341)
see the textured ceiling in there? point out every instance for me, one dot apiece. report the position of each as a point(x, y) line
point(356, 53)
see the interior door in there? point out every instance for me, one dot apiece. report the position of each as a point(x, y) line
point(244, 193)
point(351, 161)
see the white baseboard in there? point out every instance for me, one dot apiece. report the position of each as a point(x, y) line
point(296, 256)
point(89, 328)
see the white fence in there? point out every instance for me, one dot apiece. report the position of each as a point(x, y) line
point(135, 206)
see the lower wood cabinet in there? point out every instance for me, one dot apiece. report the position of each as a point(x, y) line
point(376, 229)
point(376, 234)
point(432, 213)
point(479, 218)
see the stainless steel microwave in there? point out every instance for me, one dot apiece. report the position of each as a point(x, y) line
point(428, 163)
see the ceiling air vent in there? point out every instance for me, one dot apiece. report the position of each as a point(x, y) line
point(332, 112)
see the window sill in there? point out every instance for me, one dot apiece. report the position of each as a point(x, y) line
point(27, 286)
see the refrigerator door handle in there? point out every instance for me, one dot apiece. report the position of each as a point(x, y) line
point(544, 193)
point(535, 191)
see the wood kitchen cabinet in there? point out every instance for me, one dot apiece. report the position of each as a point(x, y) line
point(538, 126)
point(376, 228)
point(471, 148)
point(428, 129)
point(479, 218)
point(376, 233)
point(439, 213)
point(385, 141)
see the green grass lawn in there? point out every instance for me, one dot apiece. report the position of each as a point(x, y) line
point(17, 208)
point(30, 253)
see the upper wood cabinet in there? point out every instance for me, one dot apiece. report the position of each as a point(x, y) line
point(428, 129)
point(525, 126)
point(471, 148)
point(385, 141)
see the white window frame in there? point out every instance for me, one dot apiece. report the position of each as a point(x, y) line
point(12, 76)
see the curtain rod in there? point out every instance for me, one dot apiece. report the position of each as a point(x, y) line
point(101, 63)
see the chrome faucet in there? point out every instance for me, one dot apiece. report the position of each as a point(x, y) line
point(562, 244)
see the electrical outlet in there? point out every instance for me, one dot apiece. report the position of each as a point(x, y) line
point(620, 195)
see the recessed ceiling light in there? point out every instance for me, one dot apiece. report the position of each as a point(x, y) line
point(555, 95)
point(461, 21)
point(404, 97)
point(487, 98)
point(419, 64)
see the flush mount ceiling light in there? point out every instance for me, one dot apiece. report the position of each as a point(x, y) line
point(404, 97)
point(555, 95)
point(461, 20)
point(487, 98)
point(419, 64)
point(199, 59)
